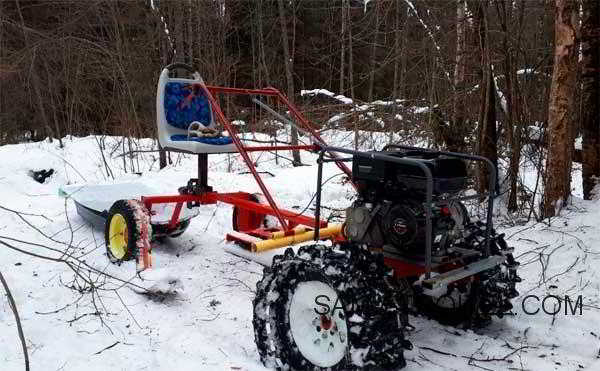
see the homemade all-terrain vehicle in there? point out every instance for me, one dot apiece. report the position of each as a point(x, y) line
point(407, 244)
point(409, 247)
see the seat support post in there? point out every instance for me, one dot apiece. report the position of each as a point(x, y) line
point(203, 171)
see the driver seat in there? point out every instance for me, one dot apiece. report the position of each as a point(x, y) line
point(179, 103)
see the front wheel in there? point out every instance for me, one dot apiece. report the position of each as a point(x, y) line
point(328, 309)
point(127, 230)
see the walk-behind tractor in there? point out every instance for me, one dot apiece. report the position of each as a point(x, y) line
point(407, 244)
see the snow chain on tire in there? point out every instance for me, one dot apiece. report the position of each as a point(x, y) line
point(373, 311)
point(490, 292)
point(138, 232)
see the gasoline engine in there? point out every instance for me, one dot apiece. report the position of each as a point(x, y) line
point(389, 211)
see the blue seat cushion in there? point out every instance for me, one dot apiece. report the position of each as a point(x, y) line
point(215, 141)
point(185, 103)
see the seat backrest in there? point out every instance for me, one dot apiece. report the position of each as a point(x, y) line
point(185, 103)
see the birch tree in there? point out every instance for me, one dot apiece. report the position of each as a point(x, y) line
point(590, 99)
point(560, 131)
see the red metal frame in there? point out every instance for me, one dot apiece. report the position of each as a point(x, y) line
point(287, 219)
point(239, 199)
point(243, 200)
point(403, 269)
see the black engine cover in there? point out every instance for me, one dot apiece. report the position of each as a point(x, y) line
point(387, 177)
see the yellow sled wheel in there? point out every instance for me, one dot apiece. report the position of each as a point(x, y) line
point(123, 229)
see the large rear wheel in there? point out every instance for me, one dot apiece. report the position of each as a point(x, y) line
point(473, 301)
point(329, 309)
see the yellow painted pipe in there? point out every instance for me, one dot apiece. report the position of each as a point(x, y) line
point(280, 234)
point(265, 245)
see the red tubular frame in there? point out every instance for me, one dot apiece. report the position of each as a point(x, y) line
point(287, 219)
point(239, 199)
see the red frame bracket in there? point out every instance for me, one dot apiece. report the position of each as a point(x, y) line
point(239, 199)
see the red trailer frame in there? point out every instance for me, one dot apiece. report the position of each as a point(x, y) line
point(250, 210)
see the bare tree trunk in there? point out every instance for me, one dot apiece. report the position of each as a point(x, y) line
point(53, 104)
point(488, 136)
point(373, 53)
point(178, 26)
point(558, 164)
point(163, 52)
point(289, 66)
point(399, 54)
point(455, 141)
point(190, 34)
point(343, 47)
point(590, 91)
point(261, 42)
point(350, 52)
point(399, 63)
point(351, 65)
point(2, 91)
point(487, 118)
point(35, 81)
point(512, 115)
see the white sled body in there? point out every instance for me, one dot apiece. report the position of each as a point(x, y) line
point(99, 198)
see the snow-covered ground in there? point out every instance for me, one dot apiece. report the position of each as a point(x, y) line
point(206, 321)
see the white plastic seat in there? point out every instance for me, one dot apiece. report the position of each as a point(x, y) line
point(178, 104)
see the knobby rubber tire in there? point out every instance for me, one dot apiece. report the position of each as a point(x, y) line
point(128, 209)
point(369, 300)
point(490, 292)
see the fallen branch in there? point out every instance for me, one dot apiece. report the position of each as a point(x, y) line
point(438, 351)
point(258, 172)
point(13, 306)
point(505, 358)
point(107, 348)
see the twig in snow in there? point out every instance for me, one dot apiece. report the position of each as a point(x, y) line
point(107, 168)
point(13, 306)
point(505, 358)
point(210, 319)
point(67, 163)
point(243, 283)
point(24, 213)
point(438, 351)
point(209, 221)
point(60, 309)
point(259, 172)
point(107, 348)
point(71, 321)
point(128, 311)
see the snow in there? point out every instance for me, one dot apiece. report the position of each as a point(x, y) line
point(367, 110)
point(535, 132)
point(579, 142)
point(204, 320)
point(343, 99)
point(499, 93)
point(420, 109)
